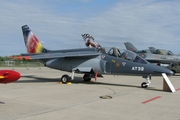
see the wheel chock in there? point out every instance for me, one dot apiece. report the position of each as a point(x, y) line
point(68, 83)
point(60, 82)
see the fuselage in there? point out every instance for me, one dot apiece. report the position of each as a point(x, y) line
point(106, 64)
point(158, 58)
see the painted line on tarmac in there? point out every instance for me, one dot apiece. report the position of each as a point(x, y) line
point(155, 98)
point(177, 89)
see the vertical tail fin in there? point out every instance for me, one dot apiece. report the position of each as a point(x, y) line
point(130, 46)
point(32, 43)
point(89, 41)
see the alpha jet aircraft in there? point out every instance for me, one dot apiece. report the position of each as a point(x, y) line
point(93, 62)
point(155, 55)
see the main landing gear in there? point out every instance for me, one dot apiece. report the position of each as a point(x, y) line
point(87, 77)
point(146, 84)
point(67, 78)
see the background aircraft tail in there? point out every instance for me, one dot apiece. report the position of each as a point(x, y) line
point(130, 46)
point(32, 43)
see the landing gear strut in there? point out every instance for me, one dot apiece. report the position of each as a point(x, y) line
point(146, 84)
point(87, 77)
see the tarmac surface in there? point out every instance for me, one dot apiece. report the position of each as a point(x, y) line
point(38, 95)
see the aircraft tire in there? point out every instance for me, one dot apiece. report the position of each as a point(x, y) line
point(174, 72)
point(87, 77)
point(143, 85)
point(65, 78)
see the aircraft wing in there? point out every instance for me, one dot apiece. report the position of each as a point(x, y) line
point(44, 56)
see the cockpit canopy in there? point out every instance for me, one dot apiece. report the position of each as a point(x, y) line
point(163, 52)
point(124, 54)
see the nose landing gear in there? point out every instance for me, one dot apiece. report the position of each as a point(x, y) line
point(146, 84)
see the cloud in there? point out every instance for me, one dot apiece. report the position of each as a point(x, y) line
point(144, 23)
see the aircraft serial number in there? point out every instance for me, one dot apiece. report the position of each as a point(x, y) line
point(138, 68)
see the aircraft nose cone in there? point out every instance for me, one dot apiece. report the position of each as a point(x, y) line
point(159, 70)
point(169, 72)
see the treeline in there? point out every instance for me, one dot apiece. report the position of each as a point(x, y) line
point(4, 58)
point(7, 61)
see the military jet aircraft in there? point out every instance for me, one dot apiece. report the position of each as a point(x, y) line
point(155, 55)
point(92, 62)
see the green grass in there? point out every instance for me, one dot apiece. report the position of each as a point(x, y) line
point(20, 64)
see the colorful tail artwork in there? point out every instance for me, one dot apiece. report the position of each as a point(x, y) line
point(32, 43)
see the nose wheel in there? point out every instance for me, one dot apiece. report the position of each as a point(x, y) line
point(146, 84)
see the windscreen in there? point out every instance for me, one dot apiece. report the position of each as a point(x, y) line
point(124, 54)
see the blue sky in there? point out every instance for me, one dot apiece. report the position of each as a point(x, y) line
point(59, 23)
